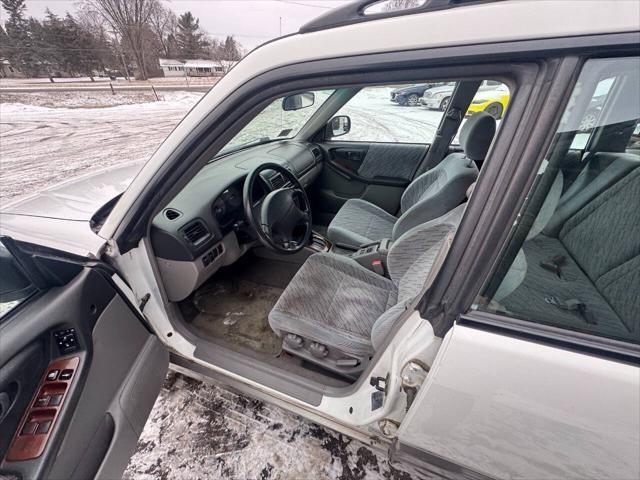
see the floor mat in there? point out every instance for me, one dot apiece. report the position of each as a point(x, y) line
point(236, 311)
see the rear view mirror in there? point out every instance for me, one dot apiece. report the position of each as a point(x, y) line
point(298, 101)
point(340, 125)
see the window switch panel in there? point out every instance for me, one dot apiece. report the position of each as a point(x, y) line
point(67, 340)
point(39, 420)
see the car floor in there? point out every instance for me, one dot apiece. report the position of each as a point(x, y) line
point(235, 312)
point(233, 306)
point(231, 310)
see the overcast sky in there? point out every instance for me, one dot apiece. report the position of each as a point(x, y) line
point(252, 21)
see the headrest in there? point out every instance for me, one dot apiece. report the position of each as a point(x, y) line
point(470, 190)
point(477, 134)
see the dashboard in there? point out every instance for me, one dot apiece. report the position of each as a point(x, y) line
point(204, 226)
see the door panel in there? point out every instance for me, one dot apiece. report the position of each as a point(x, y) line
point(508, 407)
point(108, 371)
point(376, 172)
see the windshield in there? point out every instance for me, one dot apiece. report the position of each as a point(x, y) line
point(274, 122)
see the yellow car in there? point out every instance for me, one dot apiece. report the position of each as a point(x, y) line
point(494, 102)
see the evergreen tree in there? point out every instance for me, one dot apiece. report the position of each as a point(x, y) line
point(52, 39)
point(189, 38)
point(4, 43)
point(15, 9)
point(19, 47)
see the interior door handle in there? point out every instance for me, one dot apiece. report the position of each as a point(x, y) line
point(354, 156)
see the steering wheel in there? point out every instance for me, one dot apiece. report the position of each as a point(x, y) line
point(282, 221)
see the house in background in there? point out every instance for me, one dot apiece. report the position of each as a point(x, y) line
point(191, 68)
point(9, 71)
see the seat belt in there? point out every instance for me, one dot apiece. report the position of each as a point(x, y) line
point(451, 120)
point(572, 305)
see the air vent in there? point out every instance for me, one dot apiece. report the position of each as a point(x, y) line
point(317, 153)
point(277, 181)
point(172, 214)
point(196, 232)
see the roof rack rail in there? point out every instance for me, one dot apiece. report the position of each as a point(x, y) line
point(354, 12)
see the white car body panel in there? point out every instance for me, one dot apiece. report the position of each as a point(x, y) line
point(465, 25)
point(72, 236)
point(431, 102)
point(511, 408)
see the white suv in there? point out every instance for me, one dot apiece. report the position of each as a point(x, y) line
point(462, 294)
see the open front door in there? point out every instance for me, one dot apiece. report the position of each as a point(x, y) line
point(79, 370)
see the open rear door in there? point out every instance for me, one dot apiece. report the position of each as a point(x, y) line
point(79, 370)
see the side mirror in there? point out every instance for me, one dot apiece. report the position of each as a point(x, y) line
point(338, 126)
point(298, 101)
point(13, 284)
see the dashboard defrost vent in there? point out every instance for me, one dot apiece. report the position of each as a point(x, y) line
point(277, 181)
point(172, 214)
point(196, 232)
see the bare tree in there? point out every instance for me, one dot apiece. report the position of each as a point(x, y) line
point(226, 53)
point(164, 24)
point(129, 19)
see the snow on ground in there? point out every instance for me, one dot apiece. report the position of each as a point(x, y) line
point(77, 99)
point(41, 146)
point(198, 430)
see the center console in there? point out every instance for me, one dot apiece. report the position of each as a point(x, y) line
point(373, 256)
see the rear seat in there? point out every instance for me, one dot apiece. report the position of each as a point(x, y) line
point(594, 236)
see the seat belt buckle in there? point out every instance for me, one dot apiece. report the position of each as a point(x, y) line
point(376, 266)
point(554, 264)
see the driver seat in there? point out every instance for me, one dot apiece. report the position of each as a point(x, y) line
point(336, 313)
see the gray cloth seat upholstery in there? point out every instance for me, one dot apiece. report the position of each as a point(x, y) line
point(428, 196)
point(335, 301)
point(597, 232)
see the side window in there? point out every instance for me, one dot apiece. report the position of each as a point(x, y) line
point(493, 98)
point(412, 113)
point(398, 114)
point(573, 258)
point(15, 286)
point(592, 114)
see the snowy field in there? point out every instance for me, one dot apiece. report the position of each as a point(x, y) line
point(42, 146)
point(48, 139)
point(195, 430)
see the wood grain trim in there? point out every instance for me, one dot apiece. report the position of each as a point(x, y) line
point(31, 445)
